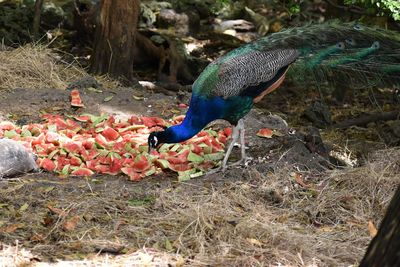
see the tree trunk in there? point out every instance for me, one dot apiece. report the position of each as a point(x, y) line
point(114, 41)
point(384, 250)
point(36, 18)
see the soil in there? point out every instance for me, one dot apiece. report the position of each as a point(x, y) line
point(73, 218)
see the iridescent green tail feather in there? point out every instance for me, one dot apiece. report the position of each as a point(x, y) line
point(340, 53)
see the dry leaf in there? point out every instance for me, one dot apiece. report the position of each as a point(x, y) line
point(57, 211)
point(48, 220)
point(10, 228)
point(138, 98)
point(36, 238)
point(24, 207)
point(108, 98)
point(299, 180)
point(372, 229)
point(278, 133)
point(254, 242)
point(92, 89)
point(355, 223)
point(180, 261)
point(325, 229)
point(71, 223)
point(120, 223)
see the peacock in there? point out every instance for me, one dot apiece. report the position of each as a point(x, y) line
point(230, 86)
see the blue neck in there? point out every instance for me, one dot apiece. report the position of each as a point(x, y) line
point(201, 112)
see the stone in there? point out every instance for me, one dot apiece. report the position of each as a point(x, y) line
point(15, 159)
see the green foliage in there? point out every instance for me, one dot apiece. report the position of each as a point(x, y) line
point(381, 7)
point(16, 17)
point(214, 7)
point(15, 20)
point(218, 5)
point(293, 6)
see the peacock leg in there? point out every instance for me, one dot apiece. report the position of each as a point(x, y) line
point(241, 129)
point(235, 138)
point(237, 132)
point(242, 144)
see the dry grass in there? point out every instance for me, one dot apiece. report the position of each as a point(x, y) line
point(35, 66)
point(13, 256)
point(261, 220)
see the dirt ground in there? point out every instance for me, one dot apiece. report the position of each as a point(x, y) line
point(287, 206)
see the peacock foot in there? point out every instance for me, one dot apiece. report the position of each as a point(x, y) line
point(239, 162)
point(224, 168)
point(214, 171)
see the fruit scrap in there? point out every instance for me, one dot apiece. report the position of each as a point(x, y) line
point(183, 105)
point(265, 132)
point(76, 100)
point(107, 145)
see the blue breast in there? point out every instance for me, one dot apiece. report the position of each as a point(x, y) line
point(204, 110)
point(201, 112)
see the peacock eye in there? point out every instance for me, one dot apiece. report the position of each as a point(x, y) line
point(350, 41)
point(340, 45)
point(155, 141)
point(375, 45)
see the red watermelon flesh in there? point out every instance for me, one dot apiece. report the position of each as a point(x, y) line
point(141, 164)
point(76, 99)
point(180, 167)
point(75, 161)
point(88, 144)
point(228, 131)
point(83, 118)
point(82, 172)
point(7, 126)
point(52, 137)
point(133, 175)
point(107, 145)
point(71, 147)
point(179, 158)
point(110, 133)
point(47, 164)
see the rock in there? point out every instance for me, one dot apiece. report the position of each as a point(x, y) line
point(84, 82)
point(319, 114)
point(237, 25)
point(299, 156)
point(169, 18)
point(149, 11)
point(261, 22)
point(274, 122)
point(15, 159)
point(314, 143)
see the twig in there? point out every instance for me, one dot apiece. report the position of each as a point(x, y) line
point(365, 119)
point(352, 8)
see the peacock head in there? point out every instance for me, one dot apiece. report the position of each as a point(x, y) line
point(156, 138)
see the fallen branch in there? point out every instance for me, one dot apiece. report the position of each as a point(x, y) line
point(368, 118)
point(155, 88)
point(351, 8)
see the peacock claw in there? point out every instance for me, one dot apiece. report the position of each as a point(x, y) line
point(236, 163)
point(237, 135)
point(226, 167)
point(213, 171)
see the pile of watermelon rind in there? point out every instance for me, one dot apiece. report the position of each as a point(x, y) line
point(86, 145)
